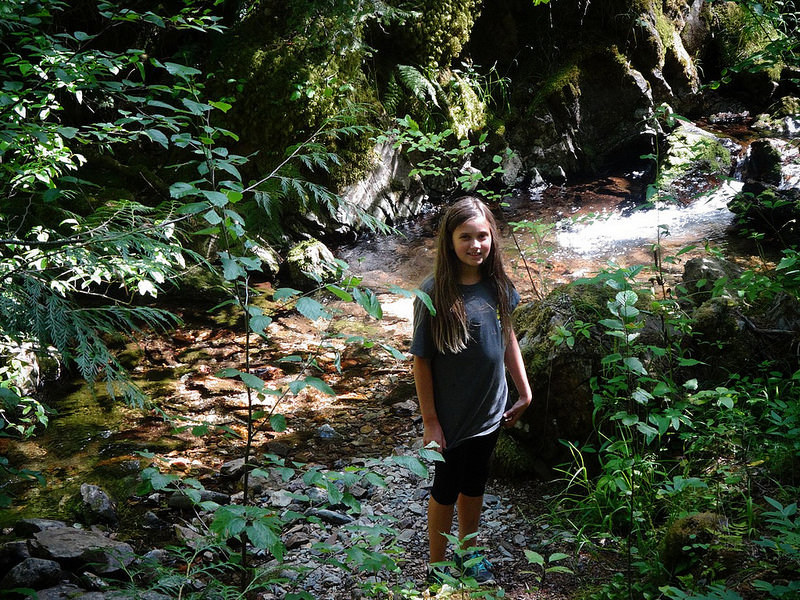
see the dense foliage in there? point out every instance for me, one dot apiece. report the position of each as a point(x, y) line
point(117, 165)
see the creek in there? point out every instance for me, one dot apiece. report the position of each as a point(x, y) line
point(576, 230)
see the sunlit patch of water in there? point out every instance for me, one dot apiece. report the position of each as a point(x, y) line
point(615, 232)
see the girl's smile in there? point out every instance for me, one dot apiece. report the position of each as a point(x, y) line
point(472, 243)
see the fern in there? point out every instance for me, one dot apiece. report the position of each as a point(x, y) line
point(421, 87)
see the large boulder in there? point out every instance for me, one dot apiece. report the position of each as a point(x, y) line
point(32, 573)
point(569, 125)
point(730, 335)
point(96, 506)
point(769, 202)
point(309, 264)
point(78, 548)
point(561, 368)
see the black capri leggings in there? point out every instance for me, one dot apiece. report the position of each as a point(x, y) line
point(465, 469)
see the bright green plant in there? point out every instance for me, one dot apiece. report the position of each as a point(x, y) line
point(546, 565)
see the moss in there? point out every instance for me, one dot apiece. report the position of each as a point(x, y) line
point(466, 110)
point(437, 36)
point(563, 84)
point(511, 458)
point(687, 535)
point(691, 151)
point(741, 35)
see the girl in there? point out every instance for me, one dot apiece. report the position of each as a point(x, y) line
point(460, 357)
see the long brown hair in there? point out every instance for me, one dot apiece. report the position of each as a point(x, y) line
point(449, 326)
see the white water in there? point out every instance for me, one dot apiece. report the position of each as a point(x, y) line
point(618, 231)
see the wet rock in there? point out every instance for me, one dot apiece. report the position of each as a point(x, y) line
point(75, 548)
point(12, 553)
point(97, 506)
point(692, 151)
point(151, 521)
point(770, 198)
point(386, 192)
point(33, 573)
point(64, 591)
point(233, 468)
point(781, 119)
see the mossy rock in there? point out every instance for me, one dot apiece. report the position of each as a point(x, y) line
point(310, 263)
point(688, 542)
point(691, 151)
point(512, 459)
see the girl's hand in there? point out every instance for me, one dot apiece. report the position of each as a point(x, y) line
point(433, 433)
point(513, 414)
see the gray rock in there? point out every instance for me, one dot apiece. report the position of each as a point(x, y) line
point(12, 553)
point(75, 548)
point(34, 573)
point(702, 273)
point(153, 522)
point(330, 516)
point(27, 527)
point(182, 500)
point(64, 591)
point(233, 468)
point(98, 506)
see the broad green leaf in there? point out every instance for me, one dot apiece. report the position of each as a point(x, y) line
point(319, 384)
point(412, 463)
point(311, 309)
point(396, 354)
point(284, 293)
point(339, 292)
point(635, 365)
point(252, 381)
point(278, 423)
point(534, 558)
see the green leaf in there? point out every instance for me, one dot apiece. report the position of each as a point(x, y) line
point(284, 293)
point(262, 536)
point(412, 463)
point(319, 384)
point(181, 71)
point(396, 354)
point(369, 302)
point(252, 381)
point(311, 309)
point(216, 198)
point(635, 365)
point(223, 106)
point(231, 269)
point(534, 558)
point(426, 300)
point(278, 423)
point(339, 292)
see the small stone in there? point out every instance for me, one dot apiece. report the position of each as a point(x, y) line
point(330, 516)
point(98, 506)
point(233, 468)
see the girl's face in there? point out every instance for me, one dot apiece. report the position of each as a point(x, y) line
point(472, 243)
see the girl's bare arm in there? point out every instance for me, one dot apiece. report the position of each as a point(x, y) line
point(423, 380)
point(515, 366)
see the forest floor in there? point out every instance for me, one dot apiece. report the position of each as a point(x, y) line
point(373, 414)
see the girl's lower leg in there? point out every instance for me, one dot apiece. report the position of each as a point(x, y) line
point(440, 521)
point(469, 517)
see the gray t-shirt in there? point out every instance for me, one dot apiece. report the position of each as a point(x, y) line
point(469, 388)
